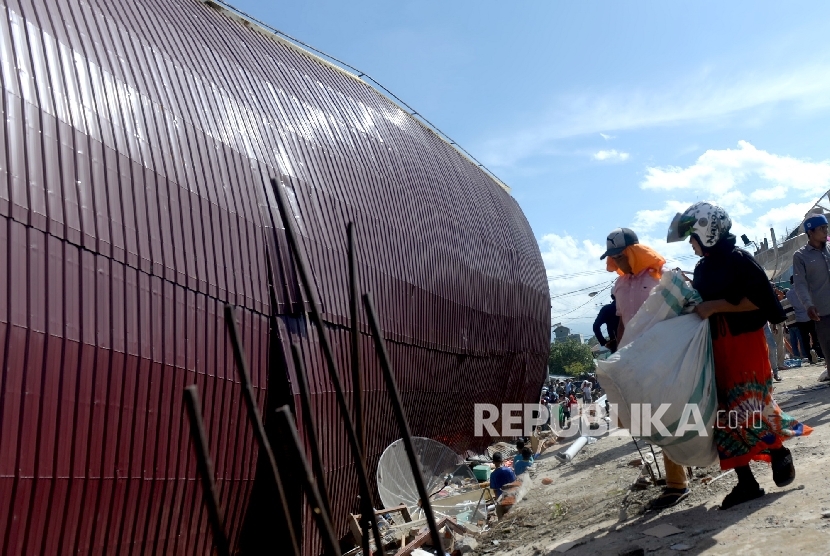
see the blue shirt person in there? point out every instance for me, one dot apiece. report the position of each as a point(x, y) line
point(502, 475)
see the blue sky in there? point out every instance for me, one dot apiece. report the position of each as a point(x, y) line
point(606, 114)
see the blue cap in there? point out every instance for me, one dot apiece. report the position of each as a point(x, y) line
point(814, 222)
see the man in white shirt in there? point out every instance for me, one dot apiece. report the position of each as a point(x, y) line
point(586, 392)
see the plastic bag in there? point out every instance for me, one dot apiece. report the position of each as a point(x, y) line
point(665, 365)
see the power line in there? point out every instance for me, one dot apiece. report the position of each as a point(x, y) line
point(580, 306)
point(582, 289)
point(576, 274)
point(582, 315)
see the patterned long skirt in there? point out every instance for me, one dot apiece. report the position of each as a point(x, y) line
point(750, 423)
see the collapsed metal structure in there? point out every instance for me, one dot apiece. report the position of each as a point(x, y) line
point(136, 144)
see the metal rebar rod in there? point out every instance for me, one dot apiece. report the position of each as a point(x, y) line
point(310, 428)
point(645, 461)
point(654, 455)
point(330, 543)
point(357, 377)
point(205, 468)
point(403, 424)
point(256, 420)
point(331, 365)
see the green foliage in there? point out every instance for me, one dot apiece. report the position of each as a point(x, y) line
point(559, 510)
point(570, 358)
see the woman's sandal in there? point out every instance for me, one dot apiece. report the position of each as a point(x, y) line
point(668, 498)
point(741, 494)
point(783, 470)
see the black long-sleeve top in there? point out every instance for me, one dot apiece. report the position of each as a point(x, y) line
point(607, 316)
point(730, 273)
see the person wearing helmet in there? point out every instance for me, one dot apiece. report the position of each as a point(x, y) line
point(738, 300)
point(811, 278)
point(640, 268)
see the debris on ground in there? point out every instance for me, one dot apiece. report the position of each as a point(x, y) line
point(597, 502)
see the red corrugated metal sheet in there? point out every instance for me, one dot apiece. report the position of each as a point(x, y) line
point(136, 142)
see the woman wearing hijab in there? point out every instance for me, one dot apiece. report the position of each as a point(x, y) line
point(639, 268)
point(738, 300)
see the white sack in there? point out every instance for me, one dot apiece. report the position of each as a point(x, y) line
point(667, 359)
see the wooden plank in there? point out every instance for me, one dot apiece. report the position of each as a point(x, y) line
point(354, 526)
point(421, 539)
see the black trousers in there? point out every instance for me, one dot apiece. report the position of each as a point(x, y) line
point(808, 334)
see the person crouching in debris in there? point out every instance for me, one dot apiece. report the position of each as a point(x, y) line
point(640, 268)
point(524, 463)
point(738, 301)
point(502, 475)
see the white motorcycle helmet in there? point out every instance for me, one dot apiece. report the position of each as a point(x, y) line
point(706, 220)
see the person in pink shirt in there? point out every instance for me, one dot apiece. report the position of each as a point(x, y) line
point(640, 268)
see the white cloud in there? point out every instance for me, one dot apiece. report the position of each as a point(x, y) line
point(708, 95)
point(612, 154)
point(564, 255)
point(720, 171)
point(749, 183)
point(574, 270)
point(769, 194)
point(647, 220)
point(783, 219)
point(606, 136)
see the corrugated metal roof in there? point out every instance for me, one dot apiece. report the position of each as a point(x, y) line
point(135, 142)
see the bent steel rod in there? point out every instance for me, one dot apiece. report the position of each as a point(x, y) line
point(310, 428)
point(256, 420)
point(330, 544)
point(205, 467)
point(403, 424)
point(645, 461)
point(316, 317)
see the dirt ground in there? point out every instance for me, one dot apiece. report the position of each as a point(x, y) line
point(590, 508)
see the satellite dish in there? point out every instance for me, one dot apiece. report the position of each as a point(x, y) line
point(452, 486)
